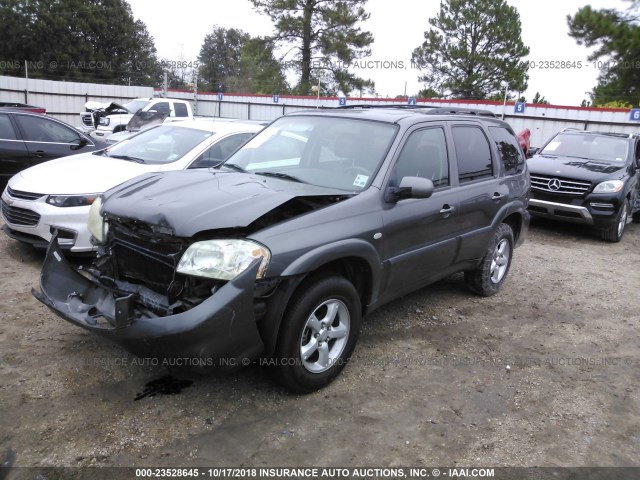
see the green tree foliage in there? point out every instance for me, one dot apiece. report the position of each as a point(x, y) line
point(616, 36)
point(80, 40)
point(429, 93)
point(471, 48)
point(325, 37)
point(539, 99)
point(220, 57)
point(233, 61)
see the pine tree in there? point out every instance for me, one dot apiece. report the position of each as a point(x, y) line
point(473, 47)
point(326, 38)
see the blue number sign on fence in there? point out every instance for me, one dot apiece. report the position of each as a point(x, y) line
point(634, 115)
point(519, 107)
point(276, 98)
point(412, 101)
point(220, 96)
point(342, 102)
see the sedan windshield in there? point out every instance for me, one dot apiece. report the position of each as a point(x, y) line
point(162, 144)
point(341, 153)
point(588, 146)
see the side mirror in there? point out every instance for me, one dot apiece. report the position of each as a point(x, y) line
point(79, 143)
point(410, 187)
point(532, 151)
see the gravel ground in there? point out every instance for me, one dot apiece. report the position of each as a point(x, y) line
point(546, 373)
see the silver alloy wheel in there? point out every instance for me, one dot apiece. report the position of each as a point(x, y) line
point(500, 260)
point(623, 219)
point(324, 336)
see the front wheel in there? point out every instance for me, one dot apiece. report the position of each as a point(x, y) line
point(614, 232)
point(318, 334)
point(489, 276)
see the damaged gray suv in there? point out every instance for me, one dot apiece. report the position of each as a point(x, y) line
point(278, 253)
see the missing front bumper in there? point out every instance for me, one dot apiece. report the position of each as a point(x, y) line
point(223, 327)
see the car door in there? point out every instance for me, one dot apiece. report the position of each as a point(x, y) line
point(47, 138)
point(483, 191)
point(14, 155)
point(420, 234)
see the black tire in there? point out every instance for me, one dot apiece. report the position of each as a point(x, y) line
point(489, 276)
point(615, 231)
point(318, 297)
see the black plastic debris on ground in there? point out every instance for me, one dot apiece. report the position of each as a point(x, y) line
point(166, 385)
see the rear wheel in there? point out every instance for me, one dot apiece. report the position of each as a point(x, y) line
point(614, 232)
point(489, 276)
point(318, 334)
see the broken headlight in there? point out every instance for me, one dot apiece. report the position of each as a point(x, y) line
point(96, 224)
point(223, 259)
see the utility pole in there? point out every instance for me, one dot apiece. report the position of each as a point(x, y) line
point(195, 94)
point(165, 85)
point(26, 88)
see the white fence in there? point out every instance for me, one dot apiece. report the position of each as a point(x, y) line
point(65, 100)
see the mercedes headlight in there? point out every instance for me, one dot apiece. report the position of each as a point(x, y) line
point(71, 200)
point(96, 224)
point(223, 259)
point(610, 186)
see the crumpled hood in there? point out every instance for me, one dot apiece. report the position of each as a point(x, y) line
point(576, 168)
point(193, 201)
point(77, 174)
point(107, 107)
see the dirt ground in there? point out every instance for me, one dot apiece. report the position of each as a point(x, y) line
point(546, 373)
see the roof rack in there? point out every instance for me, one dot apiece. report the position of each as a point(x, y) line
point(430, 109)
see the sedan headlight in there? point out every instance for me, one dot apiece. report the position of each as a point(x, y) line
point(96, 224)
point(610, 186)
point(223, 259)
point(104, 121)
point(71, 200)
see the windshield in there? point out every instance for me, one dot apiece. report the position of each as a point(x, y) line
point(134, 105)
point(588, 146)
point(158, 145)
point(332, 152)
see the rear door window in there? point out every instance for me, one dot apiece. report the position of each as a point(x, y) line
point(473, 153)
point(181, 110)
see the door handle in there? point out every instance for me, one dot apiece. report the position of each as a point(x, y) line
point(39, 153)
point(497, 196)
point(447, 210)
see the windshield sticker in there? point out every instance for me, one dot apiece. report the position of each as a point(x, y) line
point(361, 180)
point(552, 146)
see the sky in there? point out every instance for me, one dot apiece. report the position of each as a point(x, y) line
point(398, 27)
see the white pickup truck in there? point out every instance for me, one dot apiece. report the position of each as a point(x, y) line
point(102, 120)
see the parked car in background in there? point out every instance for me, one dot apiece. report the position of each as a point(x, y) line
point(56, 195)
point(319, 219)
point(27, 139)
point(587, 177)
point(114, 118)
point(23, 106)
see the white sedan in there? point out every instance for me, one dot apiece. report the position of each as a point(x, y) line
point(57, 195)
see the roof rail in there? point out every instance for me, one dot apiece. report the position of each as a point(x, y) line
point(461, 111)
point(431, 109)
point(402, 106)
